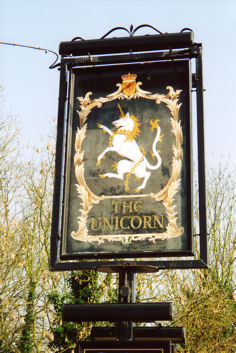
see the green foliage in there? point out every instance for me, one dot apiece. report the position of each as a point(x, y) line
point(26, 339)
point(83, 288)
point(206, 312)
point(5, 349)
point(25, 220)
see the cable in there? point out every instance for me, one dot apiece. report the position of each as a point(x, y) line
point(52, 66)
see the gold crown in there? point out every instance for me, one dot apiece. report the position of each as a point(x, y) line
point(129, 77)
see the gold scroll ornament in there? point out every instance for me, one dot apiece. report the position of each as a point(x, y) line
point(128, 90)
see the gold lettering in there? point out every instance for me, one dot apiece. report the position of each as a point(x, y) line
point(116, 223)
point(127, 204)
point(93, 223)
point(132, 222)
point(116, 204)
point(106, 222)
point(138, 206)
point(146, 222)
point(156, 221)
point(122, 222)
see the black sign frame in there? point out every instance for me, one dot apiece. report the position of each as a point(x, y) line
point(60, 260)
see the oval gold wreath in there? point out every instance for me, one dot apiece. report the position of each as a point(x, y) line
point(166, 195)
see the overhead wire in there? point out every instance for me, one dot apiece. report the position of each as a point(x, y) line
point(52, 66)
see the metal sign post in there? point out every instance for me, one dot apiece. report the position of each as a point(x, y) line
point(125, 336)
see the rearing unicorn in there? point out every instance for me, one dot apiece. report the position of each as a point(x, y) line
point(122, 141)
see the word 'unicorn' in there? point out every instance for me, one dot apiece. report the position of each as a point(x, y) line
point(122, 141)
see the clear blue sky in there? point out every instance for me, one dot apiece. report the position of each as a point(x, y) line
point(31, 89)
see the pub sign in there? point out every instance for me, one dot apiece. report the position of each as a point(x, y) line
point(127, 167)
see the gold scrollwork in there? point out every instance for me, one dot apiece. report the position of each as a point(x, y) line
point(166, 195)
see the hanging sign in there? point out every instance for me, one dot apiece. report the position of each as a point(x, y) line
point(128, 162)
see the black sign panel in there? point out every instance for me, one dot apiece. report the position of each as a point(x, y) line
point(128, 162)
point(128, 347)
point(124, 350)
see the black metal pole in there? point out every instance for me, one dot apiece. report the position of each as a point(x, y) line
point(137, 312)
point(201, 162)
point(125, 44)
point(127, 293)
point(54, 251)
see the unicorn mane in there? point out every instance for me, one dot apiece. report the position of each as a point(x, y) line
point(136, 131)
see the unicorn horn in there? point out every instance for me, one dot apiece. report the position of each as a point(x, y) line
point(122, 115)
